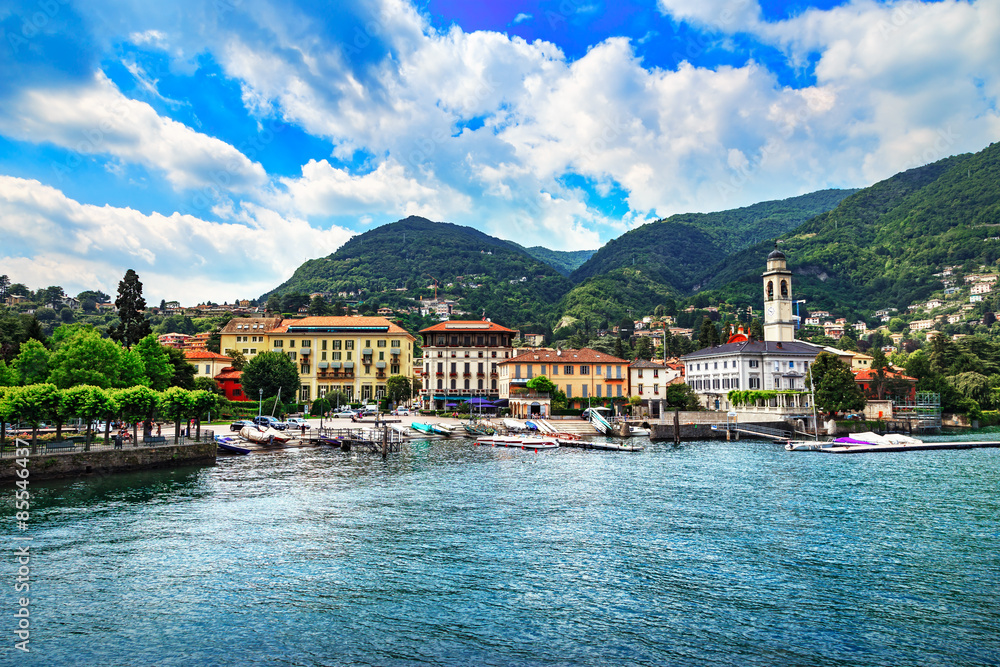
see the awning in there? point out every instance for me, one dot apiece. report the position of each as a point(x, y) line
point(305, 350)
point(348, 364)
point(323, 364)
point(335, 364)
point(395, 350)
point(367, 352)
point(379, 364)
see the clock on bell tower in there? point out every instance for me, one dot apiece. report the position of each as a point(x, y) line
point(779, 325)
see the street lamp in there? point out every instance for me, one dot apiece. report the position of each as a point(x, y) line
point(260, 406)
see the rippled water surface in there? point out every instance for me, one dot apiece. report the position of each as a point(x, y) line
point(705, 554)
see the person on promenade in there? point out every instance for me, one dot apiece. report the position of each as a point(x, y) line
point(157, 429)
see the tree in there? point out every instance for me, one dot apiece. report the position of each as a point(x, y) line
point(183, 370)
point(270, 371)
point(836, 390)
point(133, 326)
point(943, 354)
point(4, 286)
point(202, 403)
point(33, 404)
point(239, 361)
point(398, 389)
point(708, 336)
point(135, 403)
point(32, 364)
point(896, 324)
point(972, 385)
point(319, 307)
point(619, 348)
point(214, 342)
point(681, 396)
point(85, 358)
point(158, 368)
point(541, 384)
point(644, 348)
point(273, 304)
point(208, 384)
point(176, 403)
point(756, 330)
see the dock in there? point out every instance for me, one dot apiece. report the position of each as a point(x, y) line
point(605, 446)
point(927, 446)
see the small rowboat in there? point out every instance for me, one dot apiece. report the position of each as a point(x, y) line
point(228, 444)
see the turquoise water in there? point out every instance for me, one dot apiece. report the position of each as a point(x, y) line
point(450, 554)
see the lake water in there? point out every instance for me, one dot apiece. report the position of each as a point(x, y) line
point(710, 553)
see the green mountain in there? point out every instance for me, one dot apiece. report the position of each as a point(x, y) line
point(882, 245)
point(563, 261)
point(405, 258)
point(678, 251)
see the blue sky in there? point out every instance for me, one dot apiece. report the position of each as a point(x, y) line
point(213, 147)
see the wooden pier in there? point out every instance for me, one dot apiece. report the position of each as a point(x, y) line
point(382, 441)
point(926, 446)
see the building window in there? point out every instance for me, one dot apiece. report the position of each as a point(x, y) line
point(453, 384)
point(640, 390)
point(348, 345)
point(208, 369)
point(584, 370)
point(639, 374)
point(753, 363)
point(304, 393)
point(279, 343)
point(323, 344)
point(440, 384)
point(599, 390)
point(335, 345)
point(584, 394)
point(380, 343)
point(291, 343)
point(619, 391)
point(567, 370)
point(569, 391)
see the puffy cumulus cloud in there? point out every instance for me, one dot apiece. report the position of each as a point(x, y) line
point(722, 15)
point(50, 236)
point(97, 118)
point(324, 190)
point(897, 84)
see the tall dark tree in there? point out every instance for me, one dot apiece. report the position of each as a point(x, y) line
point(756, 330)
point(708, 336)
point(836, 390)
point(133, 326)
point(4, 286)
point(183, 371)
point(270, 371)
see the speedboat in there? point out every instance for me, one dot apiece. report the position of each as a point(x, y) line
point(422, 427)
point(519, 442)
point(229, 444)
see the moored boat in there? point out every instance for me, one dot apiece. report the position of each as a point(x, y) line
point(268, 436)
point(229, 444)
point(422, 427)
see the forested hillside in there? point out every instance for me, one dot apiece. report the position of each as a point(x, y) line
point(679, 251)
point(563, 261)
point(881, 246)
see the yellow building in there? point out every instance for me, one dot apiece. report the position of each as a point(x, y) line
point(581, 374)
point(355, 355)
point(248, 335)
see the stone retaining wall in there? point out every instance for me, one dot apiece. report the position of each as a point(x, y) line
point(72, 464)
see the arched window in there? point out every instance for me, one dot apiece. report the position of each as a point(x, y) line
point(784, 289)
point(770, 290)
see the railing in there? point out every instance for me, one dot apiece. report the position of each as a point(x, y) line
point(528, 393)
point(99, 444)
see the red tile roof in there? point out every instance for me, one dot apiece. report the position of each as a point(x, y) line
point(205, 354)
point(467, 326)
point(547, 355)
point(229, 374)
point(868, 374)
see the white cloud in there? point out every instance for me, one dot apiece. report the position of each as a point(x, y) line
point(522, 17)
point(96, 119)
point(324, 190)
point(720, 15)
point(50, 237)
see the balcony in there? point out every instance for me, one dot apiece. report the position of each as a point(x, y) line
point(480, 375)
point(380, 375)
point(453, 374)
point(439, 374)
point(518, 392)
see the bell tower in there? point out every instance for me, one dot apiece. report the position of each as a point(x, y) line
point(779, 325)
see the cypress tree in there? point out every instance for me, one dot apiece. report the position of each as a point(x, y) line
point(133, 326)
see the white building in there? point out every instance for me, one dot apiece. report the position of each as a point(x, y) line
point(779, 362)
point(648, 380)
point(460, 360)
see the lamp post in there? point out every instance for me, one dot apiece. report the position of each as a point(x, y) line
point(260, 406)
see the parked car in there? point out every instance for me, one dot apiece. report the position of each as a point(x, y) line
point(401, 412)
point(344, 413)
point(297, 423)
point(268, 421)
point(239, 424)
